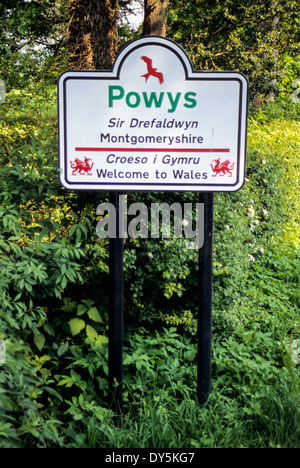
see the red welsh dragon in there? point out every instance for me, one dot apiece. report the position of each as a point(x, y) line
point(221, 168)
point(82, 167)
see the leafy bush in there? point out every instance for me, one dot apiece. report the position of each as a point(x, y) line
point(251, 38)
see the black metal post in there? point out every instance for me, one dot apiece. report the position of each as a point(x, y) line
point(205, 301)
point(116, 257)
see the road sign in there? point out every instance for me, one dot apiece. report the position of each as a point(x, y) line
point(152, 123)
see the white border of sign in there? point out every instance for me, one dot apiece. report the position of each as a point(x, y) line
point(85, 183)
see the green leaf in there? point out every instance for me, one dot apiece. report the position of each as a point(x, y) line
point(78, 235)
point(76, 326)
point(91, 332)
point(49, 329)
point(43, 233)
point(64, 282)
point(39, 340)
point(53, 392)
point(81, 309)
point(72, 230)
point(69, 305)
point(102, 340)
point(62, 349)
point(94, 315)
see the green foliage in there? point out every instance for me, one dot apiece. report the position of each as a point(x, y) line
point(31, 40)
point(243, 36)
point(157, 361)
point(22, 423)
point(53, 313)
point(290, 79)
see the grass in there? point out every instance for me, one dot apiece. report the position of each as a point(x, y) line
point(221, 423)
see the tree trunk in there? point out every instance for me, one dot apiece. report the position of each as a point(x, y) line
point(155, 17)
point(92, 33)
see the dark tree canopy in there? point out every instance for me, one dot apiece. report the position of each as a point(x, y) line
point(31, 31)
point(251, 37)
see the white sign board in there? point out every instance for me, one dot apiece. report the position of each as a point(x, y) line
point(152, 123)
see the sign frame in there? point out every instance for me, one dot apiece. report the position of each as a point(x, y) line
point(218, 181)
